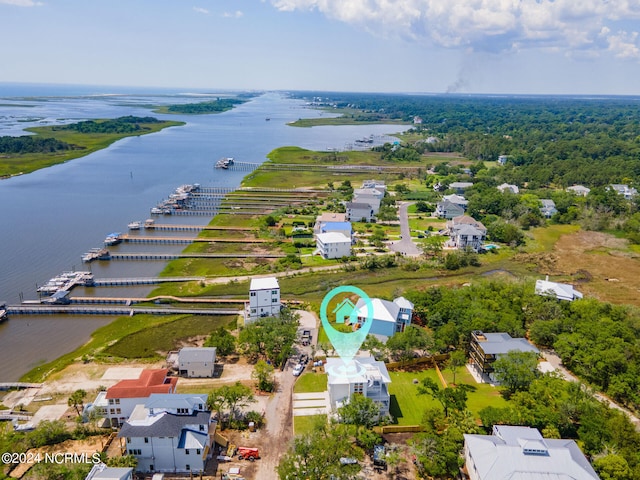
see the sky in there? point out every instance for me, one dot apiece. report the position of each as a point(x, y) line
point(427, 46)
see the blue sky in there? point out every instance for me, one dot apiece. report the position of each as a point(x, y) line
point(464, 46)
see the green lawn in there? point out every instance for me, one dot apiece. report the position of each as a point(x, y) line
point(306, 424)
point(407, 406)
point(310, 382)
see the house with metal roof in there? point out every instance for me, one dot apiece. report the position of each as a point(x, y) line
point(170, 433)
point(486, 348)
point(101, 472)
point(359, 212)
point(548, 207)
point(197, 362)
point(388, 318)
point(363, 375)
point(507, 187)
point(522, 453)
point(344, 228)
point(264, 299)
point(579, 190)
point(447, 209)
point(118, 401)
point(460, 187)
point(333, 245)
point(561, 291)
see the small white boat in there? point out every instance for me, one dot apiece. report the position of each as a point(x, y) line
point(137, 225)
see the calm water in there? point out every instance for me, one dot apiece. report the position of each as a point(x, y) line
point(50, 217)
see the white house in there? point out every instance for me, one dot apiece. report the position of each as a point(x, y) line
point(264, 298)
point(579, 190)
point(333, 245)
point(197, 362)
point(466, 232)
point(561, 291)
point(548, 208)
point(371, 196)
point(101, 472)
point(507, 187)
point(451, 206)
point(359, 212)
point(170, 433)
point(118, 401)
point(377, 184)
point(460, 187)
point(344, 228)
point(627, 192)
point(523, 453)
point(387, 318)
point(365, 376)
point(502, 159)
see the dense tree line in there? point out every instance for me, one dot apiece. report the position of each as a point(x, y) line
point(32, 144)
point(128, 124)
point(598, 341)
point(214, 106)
point(552, 140)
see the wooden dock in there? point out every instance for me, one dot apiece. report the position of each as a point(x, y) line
point(112, 310)
point(180, 240)
point(175, 256)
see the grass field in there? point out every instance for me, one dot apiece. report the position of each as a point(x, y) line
point(89, 143)
point(100, 339)
point(306, 424)
point(153, 343)
point(310, 382)
point(407, 406)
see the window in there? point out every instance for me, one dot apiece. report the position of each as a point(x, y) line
point(146, 439)
point(112, 411)
point(128, 439)
point(198, 451)
point(117, 401)
point(187, 467)
point(118, 411)
point(135, 451)
point(202, 428)
point(111, 401)
point(183, 410)
point(253, 294)
point(186, 451)
point(274, 292)
point(274, 300)
point(358, 388)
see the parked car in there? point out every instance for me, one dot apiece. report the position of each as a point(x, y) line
point(379, 457)
point(297, 370)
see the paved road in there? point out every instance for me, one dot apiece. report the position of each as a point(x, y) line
point(556, 362)
point(406, 245)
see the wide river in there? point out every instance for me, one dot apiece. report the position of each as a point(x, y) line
point(50, 217)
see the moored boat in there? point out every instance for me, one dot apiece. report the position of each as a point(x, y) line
point(136, 225)
point(113, 239)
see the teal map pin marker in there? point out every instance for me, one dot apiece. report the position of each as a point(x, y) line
point(347, 344)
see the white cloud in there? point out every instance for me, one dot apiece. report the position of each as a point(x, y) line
point(489, 25)
point(201, 10)
point(236, 14)
point(21, 3)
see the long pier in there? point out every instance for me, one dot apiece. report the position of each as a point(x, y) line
point(170, 227)
point(160, 298)
point(112, 310)
point(112, 282)
point(175, 256)
point(142, 239)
